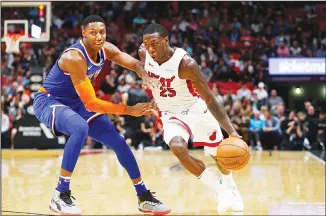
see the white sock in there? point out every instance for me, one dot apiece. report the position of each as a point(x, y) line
point(209, 179)
point(227, 180)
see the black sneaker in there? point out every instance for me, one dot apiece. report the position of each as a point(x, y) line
point(147, 203)
point(61, 203)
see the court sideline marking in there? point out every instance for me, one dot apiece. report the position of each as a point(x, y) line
point(317, 158)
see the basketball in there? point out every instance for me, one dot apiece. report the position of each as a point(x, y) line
point(233, 153)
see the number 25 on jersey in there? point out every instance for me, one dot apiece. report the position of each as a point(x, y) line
point(166, 90)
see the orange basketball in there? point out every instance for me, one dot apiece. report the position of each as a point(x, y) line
point(233, 153)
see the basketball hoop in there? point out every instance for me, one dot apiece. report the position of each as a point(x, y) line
point(12, 42)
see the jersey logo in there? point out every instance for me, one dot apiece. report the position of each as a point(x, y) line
point(150, 74)
point(166, 90)
point(212, 137)
point(94, 75)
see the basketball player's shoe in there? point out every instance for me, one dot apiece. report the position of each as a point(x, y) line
point(62, 204)
point(147, 203)
point(228, 198)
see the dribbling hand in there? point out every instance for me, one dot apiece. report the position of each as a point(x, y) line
point(235, 134)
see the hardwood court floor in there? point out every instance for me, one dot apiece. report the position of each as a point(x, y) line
point(284, 183)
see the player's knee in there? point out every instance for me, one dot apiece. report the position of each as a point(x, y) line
point(178, 146)
point(81, 128)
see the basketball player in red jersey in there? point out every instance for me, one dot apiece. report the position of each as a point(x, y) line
point(189, 111)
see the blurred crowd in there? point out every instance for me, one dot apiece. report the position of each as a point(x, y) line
point(231, 41)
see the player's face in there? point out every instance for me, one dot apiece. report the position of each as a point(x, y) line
point(156, 46)
point(95, 34)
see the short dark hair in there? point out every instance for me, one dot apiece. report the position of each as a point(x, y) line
point(156, 28)
point(91, 19)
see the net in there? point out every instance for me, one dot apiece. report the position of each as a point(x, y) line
point(12, 42)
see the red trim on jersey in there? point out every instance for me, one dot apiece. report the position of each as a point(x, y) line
point(159, 118)
point(196, 144)
point(191, 88)
point(183, 123)
point(159, 122)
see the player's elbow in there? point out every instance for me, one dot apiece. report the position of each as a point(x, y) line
point(89, 107)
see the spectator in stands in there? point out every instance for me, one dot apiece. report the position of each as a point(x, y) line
point(119, 123)
point(11, 90)
point(256, 126)
point(220, 70)
point(311, 112)
point(282, 38)
point(271, 130)
point(283, 51)
point(274, 100)
point(243, 92)
point(208, 73)
point(321, 130)
point(109, 84)
point(147, 131)
point(134, 95)
point(134, 130)
point(280, 112)
point(261, 93)
point(311, 123)
point(307, 103)
point(306, 51)
point(20, 115)
point(5, 126)
point(234, 35)
point(295, 49)
point(123, 85)
point(236, 118)
point(228, 99)
point(308, 130)
point(294, 134)
point(263, 109)
point(246, 110)
point(285, 140)
point(255, 104)
point(321, 52)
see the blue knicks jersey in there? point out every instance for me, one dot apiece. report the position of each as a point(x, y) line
point(58, 83)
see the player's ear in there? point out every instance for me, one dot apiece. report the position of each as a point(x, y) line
point(166, 39)
point(83, 31)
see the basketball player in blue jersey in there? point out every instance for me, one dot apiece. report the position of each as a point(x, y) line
point(67, 104)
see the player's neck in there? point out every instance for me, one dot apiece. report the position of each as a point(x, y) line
point(91, 52)
point(170, 51)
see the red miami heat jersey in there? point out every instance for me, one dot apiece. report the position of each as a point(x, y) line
point(175, 95)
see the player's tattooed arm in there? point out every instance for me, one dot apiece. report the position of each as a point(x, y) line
point(190, 70)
